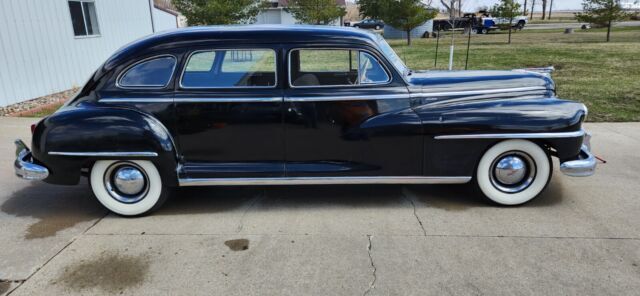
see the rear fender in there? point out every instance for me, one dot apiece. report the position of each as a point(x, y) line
point(77, 136)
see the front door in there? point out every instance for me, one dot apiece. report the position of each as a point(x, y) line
point(346, 114)
point(229, 109)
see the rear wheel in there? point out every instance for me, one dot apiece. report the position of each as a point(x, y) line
point(128, 188)
point(484, 31)
point(513, 172)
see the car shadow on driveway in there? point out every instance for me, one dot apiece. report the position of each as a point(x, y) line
point(447, 197)
point(55, 207)
point(61, 207)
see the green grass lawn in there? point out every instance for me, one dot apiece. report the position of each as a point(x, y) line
point(604, 76)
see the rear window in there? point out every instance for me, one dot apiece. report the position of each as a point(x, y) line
point(150, 73)
point(230, 68)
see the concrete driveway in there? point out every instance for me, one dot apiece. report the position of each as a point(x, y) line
point(582, 236)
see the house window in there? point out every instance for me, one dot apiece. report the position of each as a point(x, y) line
point(84, 18)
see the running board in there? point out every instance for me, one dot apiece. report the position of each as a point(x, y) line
point(323, 180)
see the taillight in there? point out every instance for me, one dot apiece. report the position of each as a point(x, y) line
point(33, 128)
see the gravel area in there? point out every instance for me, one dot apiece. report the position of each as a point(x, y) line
point(26, 107)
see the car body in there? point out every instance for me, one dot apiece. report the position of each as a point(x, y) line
point(368, 24)
point(299, 105)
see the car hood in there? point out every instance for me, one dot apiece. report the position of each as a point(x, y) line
point(478, 81)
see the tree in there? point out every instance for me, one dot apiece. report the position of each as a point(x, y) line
point(451, 7)
point(404, 15)
point(219, 12)
point(533, 6)
point(603, 13)
point(318, 12)
point(544, 9)
point(374, 9)
point(524, 8)
point(550, 9)
point(508, 9)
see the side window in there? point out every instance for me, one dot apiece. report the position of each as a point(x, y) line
point(152, 73)
point(334, 67)
point(230, 68)
point(371, 72)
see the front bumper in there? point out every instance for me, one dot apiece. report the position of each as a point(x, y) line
point(585, 165)
point(24, 166)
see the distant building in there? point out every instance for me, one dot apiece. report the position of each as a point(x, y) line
point(417, 32)
point(278, 14)
point(54, 45)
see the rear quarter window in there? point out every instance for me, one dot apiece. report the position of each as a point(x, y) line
point(155, 72)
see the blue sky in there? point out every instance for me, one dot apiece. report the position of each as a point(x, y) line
point(471, 5)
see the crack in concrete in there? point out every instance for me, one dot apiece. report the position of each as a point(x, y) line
point(415, 214)
point(253, 202)
point(372, 284)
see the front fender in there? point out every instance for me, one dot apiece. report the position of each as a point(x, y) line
point(444, 157)
point(77, 136)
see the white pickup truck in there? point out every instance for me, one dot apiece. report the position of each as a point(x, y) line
point(518, 22)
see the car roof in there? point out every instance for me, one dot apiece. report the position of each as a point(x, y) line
point(241, 34)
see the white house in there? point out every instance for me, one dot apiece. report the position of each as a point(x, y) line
point(47, 46)
point(278, 14)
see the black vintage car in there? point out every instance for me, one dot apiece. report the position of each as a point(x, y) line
point(263, 105)
point(368, 24)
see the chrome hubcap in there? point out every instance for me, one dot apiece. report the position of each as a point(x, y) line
point(512, 172)
point(126, 182)
point(129, 180)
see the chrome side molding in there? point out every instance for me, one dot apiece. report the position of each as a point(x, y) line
point(106, 154)
point(323, 180)
point(575, 134)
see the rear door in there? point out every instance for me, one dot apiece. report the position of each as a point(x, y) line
point(347, 114)
point(229, 113)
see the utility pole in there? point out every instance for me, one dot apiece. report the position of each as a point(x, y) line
point(453, 27)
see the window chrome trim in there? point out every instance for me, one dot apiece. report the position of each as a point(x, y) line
point(156, 86)
point(389, 81)
point(193, 100)
point(575, 134)
point(184, 69)
point(346, 98)
point(105, 154)
point(136, 100)
point(229, 100)
point(324, 180)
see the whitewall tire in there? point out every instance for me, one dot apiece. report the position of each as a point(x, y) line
point(127, 187)
point(513, 172)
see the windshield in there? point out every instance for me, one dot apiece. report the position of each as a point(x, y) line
point(392, 56)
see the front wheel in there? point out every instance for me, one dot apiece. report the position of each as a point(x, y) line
point(513, 172)
point(128, 187)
